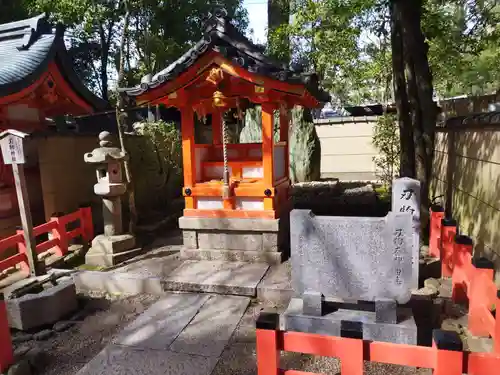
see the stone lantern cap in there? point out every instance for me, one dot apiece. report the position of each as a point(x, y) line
point(106, 152)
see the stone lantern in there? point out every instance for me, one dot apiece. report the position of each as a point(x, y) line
point(113, 246)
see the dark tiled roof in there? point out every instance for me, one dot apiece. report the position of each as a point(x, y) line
point(221, 36)
point(26, 49)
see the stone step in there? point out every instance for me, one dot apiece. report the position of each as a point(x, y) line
point(269, 257)
point(103, 259)
point(235, 278)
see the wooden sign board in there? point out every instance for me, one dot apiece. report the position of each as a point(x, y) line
point(12, 144)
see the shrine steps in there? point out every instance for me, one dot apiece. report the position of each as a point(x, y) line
point(159, 275)
point(268, 257)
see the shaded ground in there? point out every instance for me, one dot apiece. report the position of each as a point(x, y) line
point(100, 319)
point(67, 352)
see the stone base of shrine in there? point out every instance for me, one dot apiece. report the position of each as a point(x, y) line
point(346, 322)
point(247, 240)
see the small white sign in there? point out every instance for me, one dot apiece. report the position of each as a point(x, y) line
point(12, 149)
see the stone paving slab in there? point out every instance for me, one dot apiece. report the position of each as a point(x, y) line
point(158, 326)
point(119, 360)
point(220, 277)
point(276, 286)
point(209, 332)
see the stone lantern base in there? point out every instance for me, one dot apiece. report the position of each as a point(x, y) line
point(109, 251)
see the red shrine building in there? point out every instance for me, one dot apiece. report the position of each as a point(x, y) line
point(37, 83)
point(236, 195)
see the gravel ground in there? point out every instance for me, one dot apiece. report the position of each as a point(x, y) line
point(64, 353)
point(239, 357)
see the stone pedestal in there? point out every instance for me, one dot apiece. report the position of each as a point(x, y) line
point(247, 240)
point(348, 321)
point(109, 251)
point(40, 308)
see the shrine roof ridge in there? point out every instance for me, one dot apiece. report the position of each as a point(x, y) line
point(27, 47)
point(223, 37)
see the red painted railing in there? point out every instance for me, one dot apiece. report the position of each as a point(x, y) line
point(472, 279)
point(57, 226)
point(445, 357)
point(6, 350)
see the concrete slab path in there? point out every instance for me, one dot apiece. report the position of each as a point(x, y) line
point(182, 334)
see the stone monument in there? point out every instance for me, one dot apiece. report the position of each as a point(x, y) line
point(351, 275)
point(113, 246)
point(406, 198)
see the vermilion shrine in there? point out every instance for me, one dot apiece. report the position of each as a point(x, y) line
point(37, 82)
point(236, 195)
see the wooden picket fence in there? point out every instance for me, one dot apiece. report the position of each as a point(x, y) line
point(61, 236)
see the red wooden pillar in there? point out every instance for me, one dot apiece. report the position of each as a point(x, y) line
point(267, 153)
point(60, 233)
point(496, 347)
point(6, 351)
point(448, 233)
point(268, 351)
point(481, 296)
point(284, 135)
point(188, 154)
point(22, 249)
point(462, 256)
point(437, 215)
point(449, 356)
point(86, 222)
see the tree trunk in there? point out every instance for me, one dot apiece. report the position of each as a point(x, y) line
point(407, 160)
point(423, 108)
point(104, 63)
point(120, 120)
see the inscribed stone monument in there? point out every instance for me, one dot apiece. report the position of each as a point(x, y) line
point(350, 273)
point(406, 198)
point(354, 258)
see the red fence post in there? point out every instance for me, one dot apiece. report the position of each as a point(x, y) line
point(60, 233)
point(478, 296)
point(449, 356)
point(496, 339)
point(86, 222)
point(448, 233)
point(462, 255)
point(268, 351)
point(437, 215)
point(22, 249)
point(6, 351)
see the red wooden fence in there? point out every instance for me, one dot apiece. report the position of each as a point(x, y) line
point(6, 351)
point(472, 280)
point(60, 237)
point(445, 357)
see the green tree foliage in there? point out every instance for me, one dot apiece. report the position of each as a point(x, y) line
point(386, 141)
point(159, 32)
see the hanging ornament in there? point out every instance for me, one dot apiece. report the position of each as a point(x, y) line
point(219, 99)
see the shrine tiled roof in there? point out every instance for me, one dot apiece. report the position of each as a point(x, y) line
point(27, 47)
point(222, 37)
